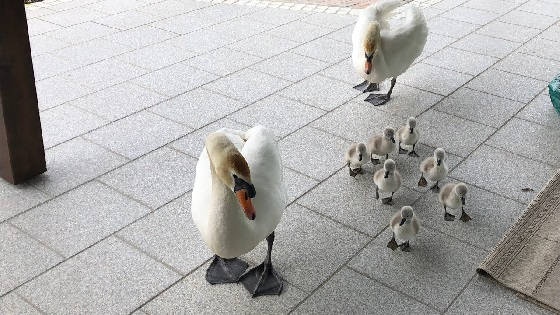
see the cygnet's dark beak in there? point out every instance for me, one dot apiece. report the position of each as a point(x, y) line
point(463, 200)
point(393, 139)
point(438, 162)
point(359, 157)
point(411, 130)
point(386, 174)
point(402, 221)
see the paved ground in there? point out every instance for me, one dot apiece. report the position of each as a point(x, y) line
point(127, 90)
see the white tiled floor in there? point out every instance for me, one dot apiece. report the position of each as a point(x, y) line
point(128, 89)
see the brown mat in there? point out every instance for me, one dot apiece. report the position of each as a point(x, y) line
point(527, 259)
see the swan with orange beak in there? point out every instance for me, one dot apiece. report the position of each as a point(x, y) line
point(237, 201)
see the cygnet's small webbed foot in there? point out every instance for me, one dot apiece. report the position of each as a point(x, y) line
point(365, 87)
point(377, 99)
point(387, 201)
point(413, 153)
point(448, 217)
point(422, 182)
point(352, 173)
point(465, 217)
point(392, 244)
point(402, 151)
point(435, 188)
point(223, 270)
point(377, 193)
point(375, 161)
point(262, 280)
point(405, 247)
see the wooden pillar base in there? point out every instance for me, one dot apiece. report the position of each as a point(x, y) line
point(22, 154)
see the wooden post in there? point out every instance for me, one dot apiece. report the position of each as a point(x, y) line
point(22, 154)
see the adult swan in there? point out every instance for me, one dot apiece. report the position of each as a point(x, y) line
point(237, 201)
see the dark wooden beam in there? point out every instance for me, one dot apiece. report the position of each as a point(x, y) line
point(22, 154)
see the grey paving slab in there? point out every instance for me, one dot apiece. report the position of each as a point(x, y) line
point(529, 139)
point(36, 11)
point(37, 26)
point(81, 32)
point(469, 15)
point(357, 122)
point(313, 152)
point(491, 216)
point(297, 184)
point(513, 174)
point(309, 248)
point(461, 61)
point(344, 34)
point(57, 90)
point(406, 101)
point(156, 56)
point(41, 44)
point(484, 294)
point(448, 27)
point(518, 88)
point(201, 41)
point(480, 107)
point(104, 74)
point(333, 21)
point(91, 51)
point(515, 33)
point(185, 78)
point(137, 134)
point(550, 8)
point(282, 115)
point(433, 79)
point(434, 271)
point(343, 71)
point(163, 9)
point(109, 278)
point(155, 178)
point(65, 5)
point(352, 202)
point(325, 49)
point(349, 292)
point(552, 33)
point(447, 4)
point(113, 7)
point(48, 65)
point(241, 28)
point(126, 20)
point(321, 92)
point(222, 13)
point(141, 36)
point(542, 47)
point(180, 297)
point(541, 111)
point(15, 305)
point(193, 143)
point(486, 45)
point(22, 258)
point(299, 31)
point(15, 199)
point(80, 218)
point(74, 163)
point(182, 24)
point(72, 16)
point(170, 235)
point(528, 19)
point(290, 66)
point(532, 66)
point(263, 45)
point(197, 108)
point(118, 101)
point(65, 122)
point(434, 43)
point(456, 135)
point(492, 6)
point(223, 61)
point(248, 85)
point(277, 17)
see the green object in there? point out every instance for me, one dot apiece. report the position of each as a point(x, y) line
point(554, 91)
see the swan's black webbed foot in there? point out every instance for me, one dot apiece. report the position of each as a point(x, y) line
point(223, 270)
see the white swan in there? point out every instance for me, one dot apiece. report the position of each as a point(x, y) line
point(237, 201)
point(380, 51)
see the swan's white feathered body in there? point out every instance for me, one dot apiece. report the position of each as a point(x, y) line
point(400, 43)
point(216, 211)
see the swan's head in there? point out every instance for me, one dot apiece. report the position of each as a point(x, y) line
point(232, 170)
point(389, 167)
point(370, 45)
point(362, 151)
point(406, 214)
point(411, 124)
point(439, 156)
point(389, 134)
point(461, 191)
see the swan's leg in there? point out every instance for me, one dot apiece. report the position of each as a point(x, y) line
point(365, 87)
point(223, 270)
point(263, 280)
point(413, 153)
point(393, 243)
point(388, 200)
point(448, 216)
point(380, 99)
point(401, 150)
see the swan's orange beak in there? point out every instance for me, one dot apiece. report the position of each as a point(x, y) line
point(368, 67)
point(246, 204)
